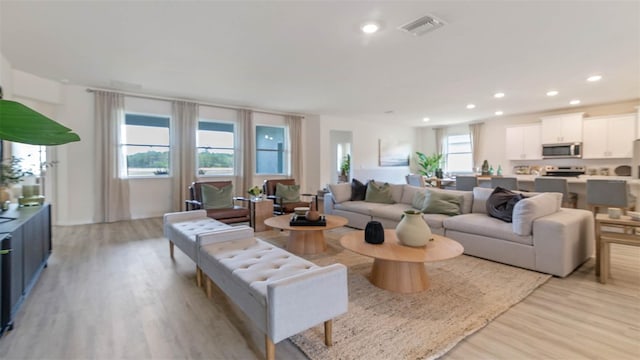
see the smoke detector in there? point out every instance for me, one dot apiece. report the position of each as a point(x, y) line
point(422, 25)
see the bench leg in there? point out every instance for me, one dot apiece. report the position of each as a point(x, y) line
point(199, 276)
point(328, 328)
point(269, 348)
point(209, 289)
point(171, 248)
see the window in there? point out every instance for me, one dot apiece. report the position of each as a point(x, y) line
point(270, 151)
point(216, 148)
point(458, 154)
point(145, 143)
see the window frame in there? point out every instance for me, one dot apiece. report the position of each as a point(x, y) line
point(447, 153)
point(123, 163)
point(286, 156)
point(234, 148)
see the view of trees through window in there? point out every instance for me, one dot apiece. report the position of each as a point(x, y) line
point(216, 148)
point(458, 154)
point(146, 144)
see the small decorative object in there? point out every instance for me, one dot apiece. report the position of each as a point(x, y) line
point(499, 170)
point(255, 192)
point(614, 213)
point(490, 170)
point(374, 233)
point(485, 168)
point(312, 214)
point(301, 210)
point(413, 230)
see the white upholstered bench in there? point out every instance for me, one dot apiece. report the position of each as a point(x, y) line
point(281, 293)
point(188, 230)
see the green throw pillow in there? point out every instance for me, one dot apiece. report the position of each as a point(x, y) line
point(437, 202)
point(288, 193)
point(379, 193)
point(418, 200)
point(216, 198)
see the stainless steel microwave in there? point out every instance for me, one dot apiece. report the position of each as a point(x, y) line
point(568, 150)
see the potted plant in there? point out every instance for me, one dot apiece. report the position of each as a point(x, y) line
point(11, 172)
point(429, 164)
point(345, 168)
point(255, 192)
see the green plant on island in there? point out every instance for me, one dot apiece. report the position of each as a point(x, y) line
point(429, 163)
point(11, 171)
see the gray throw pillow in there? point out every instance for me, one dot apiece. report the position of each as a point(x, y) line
point(379, 193)
point(418, 200)
point(216, 198)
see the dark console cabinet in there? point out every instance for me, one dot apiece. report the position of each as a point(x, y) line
point(29, 232)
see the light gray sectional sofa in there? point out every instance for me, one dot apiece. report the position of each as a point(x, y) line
point(542, 237)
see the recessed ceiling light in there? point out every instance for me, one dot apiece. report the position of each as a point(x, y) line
point(574, 102)
point(370, 28)
point(426, 119)
point(499, 113)
point(498, 95)
point(594, 78)
point(470, 106)
point(552, 93)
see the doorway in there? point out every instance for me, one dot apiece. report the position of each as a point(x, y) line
point(341, 155)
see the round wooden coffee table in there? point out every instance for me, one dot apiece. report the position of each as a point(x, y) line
point(397, 267)
point(305, 240)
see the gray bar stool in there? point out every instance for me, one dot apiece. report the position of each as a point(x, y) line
point(554, 184)
point(509, 183)
point(415, 180)
point(466, 183)
point(609, 193)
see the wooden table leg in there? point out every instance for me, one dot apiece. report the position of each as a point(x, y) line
point(399, 276)
point(598, 250)
point(306, 242)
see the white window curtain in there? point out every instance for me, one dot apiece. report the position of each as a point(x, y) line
point(294, 123)
point(474, 131)
point(245, 118)
point(440, 133)
point(113, 190)
point(183, 151)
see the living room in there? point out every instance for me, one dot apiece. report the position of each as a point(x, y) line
point(73, 186)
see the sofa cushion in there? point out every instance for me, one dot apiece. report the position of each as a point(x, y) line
point(467, 198)
point(483, 225)
point(440, 202)
point(358, 207)
point(480, 197)
point(288, 193)
point(214, 197)
point(408, 193)
point(418, 200)
point(340, 192)
point(529, 209)
point(435, 221)
point(391, 211)
point(378, 193)
point(358, 190)
point(501, 202)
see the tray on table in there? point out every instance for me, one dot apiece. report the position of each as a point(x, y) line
point(300, 220)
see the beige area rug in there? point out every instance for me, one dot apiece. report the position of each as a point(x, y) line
point(466, 293)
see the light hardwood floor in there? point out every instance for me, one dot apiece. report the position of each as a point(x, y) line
point(112, 292)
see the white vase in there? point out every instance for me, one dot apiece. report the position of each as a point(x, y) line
point(413, 230)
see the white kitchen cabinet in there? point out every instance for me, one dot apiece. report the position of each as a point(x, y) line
point(523, 142)
point(564, 128)
point(609, 136)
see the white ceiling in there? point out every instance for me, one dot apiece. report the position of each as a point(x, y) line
point(310, 57)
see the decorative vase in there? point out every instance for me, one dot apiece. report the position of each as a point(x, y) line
point(5, 194)
point(413, 230)
point(312, 214)
point(374, 233)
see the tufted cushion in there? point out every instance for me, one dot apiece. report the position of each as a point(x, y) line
point(194, 227)
point(340, 192)
point(257, 264)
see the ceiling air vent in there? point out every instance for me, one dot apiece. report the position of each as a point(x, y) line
point(422, 25)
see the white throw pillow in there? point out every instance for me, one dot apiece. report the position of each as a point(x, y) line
point(531, 208)
point(480, 197)
point(340, 192)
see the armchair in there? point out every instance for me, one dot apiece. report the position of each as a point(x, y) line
point(280, 204)
point(218, 201)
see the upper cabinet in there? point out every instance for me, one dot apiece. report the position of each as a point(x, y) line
point(565, 128)
point(609, 136)
point(523, 142)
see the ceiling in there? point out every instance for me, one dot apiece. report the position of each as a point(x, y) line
point(311, 57)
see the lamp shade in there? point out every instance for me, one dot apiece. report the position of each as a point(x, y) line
point(21, 124)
